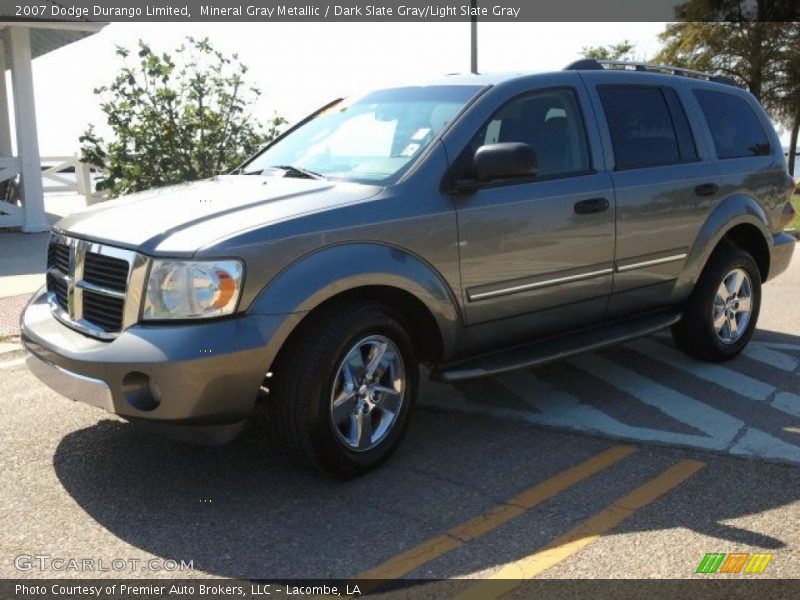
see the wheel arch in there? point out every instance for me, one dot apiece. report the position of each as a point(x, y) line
point(748, 237)
point(738, 220)
point(367, 271)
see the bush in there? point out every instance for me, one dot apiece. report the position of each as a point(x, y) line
point(175, 120)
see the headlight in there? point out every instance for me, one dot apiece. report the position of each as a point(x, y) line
point(192, 289)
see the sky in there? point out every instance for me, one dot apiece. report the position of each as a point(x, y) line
point(301, 66)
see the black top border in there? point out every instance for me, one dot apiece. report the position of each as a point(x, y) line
point(402, 10)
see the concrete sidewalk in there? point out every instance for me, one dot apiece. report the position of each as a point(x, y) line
point(22, 262)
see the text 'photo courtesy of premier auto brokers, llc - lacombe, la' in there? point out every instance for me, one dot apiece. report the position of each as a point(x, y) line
point(185, 589)
point(269, 12)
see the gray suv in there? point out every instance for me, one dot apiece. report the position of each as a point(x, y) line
point(476, 225)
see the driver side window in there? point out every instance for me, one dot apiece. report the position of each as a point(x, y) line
point(550, 122)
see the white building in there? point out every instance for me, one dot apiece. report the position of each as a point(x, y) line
point(20, 43)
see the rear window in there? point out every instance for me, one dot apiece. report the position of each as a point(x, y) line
point(735, 127)
point(644, 131)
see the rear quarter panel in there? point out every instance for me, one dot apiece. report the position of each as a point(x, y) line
point(752, 188)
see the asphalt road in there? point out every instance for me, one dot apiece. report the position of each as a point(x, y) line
point(631, 462)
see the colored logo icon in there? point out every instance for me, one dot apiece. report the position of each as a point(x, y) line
point(737, 562)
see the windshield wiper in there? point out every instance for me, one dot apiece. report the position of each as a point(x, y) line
point(292, 171)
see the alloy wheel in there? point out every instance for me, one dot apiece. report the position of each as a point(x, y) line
point(368, 393)
point(733, 306)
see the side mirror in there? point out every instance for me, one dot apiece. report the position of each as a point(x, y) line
point(505, 161)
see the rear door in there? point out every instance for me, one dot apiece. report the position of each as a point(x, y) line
point(663, 180)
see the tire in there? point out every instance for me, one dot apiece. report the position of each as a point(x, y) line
point(696, 333)
point(312, 367)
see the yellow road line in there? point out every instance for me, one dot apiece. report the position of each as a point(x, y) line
point(582, 535)
point(404, 563)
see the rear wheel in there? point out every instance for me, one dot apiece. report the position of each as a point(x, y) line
point(722, 312)
point(343, 389)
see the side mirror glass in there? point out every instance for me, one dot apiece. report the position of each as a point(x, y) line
point(506, 160)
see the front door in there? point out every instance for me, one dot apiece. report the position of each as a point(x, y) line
point(545, 242)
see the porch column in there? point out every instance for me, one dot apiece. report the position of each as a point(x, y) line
point(27, 137)
point(5, 127)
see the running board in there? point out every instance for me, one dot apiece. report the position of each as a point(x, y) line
point(555, 348)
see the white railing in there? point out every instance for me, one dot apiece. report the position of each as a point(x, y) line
point(11, 215)
point(56, 180)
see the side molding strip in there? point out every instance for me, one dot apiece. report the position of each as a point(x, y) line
point(650, 263)
point(540, 284)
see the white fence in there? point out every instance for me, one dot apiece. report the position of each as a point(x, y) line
point(11, 215)
point(58, 178)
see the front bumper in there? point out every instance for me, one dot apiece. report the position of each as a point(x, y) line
point(196, 381)
point(72, 385)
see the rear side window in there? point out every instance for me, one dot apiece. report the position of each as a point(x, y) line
point(648, 127)
point(734, 125)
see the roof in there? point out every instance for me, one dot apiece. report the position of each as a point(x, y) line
point(591, 65)
point(480, 79)
point(49, 36)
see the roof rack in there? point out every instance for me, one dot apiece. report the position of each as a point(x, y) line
point(590, 64)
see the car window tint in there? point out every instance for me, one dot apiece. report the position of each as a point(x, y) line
point(549, 121)
point(641, 126)
point(686, 144)
point(735, 127)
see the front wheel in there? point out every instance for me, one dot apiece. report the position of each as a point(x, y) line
point(721, 314)
point(344, 388)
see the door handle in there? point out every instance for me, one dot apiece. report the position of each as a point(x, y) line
point(706, 189)
point(595, 205)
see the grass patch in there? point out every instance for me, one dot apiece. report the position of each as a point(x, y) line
point(795, 224)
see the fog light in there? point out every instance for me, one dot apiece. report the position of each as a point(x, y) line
point(139, 391)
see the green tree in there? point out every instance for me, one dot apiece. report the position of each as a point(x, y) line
point(786, 105)
point(175, 118)
point(748, 52)
point(621, 51)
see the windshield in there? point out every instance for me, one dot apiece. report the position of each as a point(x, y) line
point(370, 139)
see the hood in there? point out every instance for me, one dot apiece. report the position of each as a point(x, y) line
point(183, 218)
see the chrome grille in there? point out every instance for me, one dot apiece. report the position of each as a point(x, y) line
point(58, 257)
point(94, 288)
point(59, 287)
point(104, 311)
point(106, 271)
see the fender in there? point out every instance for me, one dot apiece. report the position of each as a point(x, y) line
point(316, 277)
point(734, 210)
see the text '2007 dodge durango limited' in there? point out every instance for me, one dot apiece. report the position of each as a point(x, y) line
point(476, 225)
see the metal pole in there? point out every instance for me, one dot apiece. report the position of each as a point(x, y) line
point(473, 37)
